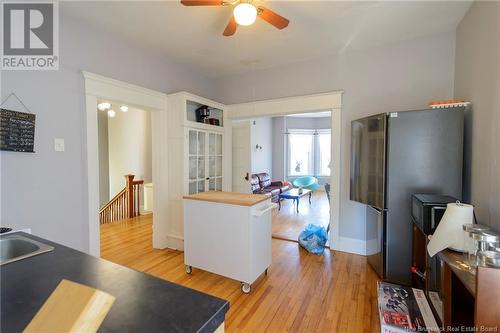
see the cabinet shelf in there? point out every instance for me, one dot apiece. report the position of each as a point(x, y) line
point(192, 117)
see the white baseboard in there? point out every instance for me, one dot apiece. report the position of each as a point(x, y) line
point(175, 242)
point(351, 245)
point(372, 246)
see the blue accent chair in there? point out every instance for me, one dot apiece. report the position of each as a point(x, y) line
point(307, 182)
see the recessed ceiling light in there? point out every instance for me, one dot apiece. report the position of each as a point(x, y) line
point(104, 106)
point(123, 108)
point(111, 113)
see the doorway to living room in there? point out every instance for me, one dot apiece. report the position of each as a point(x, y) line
point(302, 161)
point(290, 164)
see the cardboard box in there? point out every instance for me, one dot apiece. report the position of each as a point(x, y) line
point(404, 309)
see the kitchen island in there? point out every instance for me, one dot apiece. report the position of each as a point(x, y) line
point(143, 303)
point(228, 234)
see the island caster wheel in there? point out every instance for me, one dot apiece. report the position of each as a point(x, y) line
point(246, 288)
point(265, 272)
point(188, 269)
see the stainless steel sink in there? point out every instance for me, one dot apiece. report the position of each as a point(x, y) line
point(16, 247)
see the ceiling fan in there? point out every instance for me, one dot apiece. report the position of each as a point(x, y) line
point(244, 13)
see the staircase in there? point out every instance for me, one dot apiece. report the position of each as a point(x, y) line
point(125, 204)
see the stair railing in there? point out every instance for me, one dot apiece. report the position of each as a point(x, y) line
point(124, 205)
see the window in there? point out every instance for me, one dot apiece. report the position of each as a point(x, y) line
point(309, 153)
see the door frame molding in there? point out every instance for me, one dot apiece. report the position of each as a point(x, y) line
point(98, 88)
point(329, 101)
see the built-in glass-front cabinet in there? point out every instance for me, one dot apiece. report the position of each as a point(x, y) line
point(198, 154)
point(205, 160)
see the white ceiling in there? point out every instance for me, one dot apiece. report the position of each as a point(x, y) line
point(193, 35)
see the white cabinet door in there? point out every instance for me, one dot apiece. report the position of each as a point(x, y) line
point(205, 161)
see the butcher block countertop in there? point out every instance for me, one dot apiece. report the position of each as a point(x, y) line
point(230, 198)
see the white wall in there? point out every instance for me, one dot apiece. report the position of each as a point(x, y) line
point(102, 129)
point(400, 76)
point(477, 79)
point(261, 134)
point(53, 185)
point(308, 123)
point(129, 138)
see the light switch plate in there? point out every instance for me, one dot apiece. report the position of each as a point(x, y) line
point(58, 144)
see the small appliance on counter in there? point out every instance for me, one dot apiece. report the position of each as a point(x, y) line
point(427, 211)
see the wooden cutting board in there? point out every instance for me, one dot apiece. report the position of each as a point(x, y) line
point(72, 307)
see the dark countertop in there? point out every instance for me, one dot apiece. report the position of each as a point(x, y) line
point(143, 302)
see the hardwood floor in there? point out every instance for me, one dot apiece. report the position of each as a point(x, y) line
point(288, 224)
point(335, 292)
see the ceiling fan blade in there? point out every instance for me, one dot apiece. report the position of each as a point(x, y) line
point(202, 2)
point(231, 27)
point(271, 17)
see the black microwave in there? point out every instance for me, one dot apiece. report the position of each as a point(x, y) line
point(428, 209)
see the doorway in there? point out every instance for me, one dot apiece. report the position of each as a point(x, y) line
point(257, 111)
point(125, 169)
point(302, 159)
point(99, 88)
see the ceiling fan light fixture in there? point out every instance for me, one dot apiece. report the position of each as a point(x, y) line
point(245, 13)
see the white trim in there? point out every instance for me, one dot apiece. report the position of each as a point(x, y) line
point(350, 245)
point(306, 104)
point(288, 105)
point(175, 242)
point(97, 88)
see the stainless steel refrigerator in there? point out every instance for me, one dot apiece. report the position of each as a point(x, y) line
point(394, 155)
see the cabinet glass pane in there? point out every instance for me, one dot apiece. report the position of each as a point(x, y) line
point(211, 166)
point(219, 144)
point(219, 165)
point(211, 144)
point(201, 186)
point(201, 167)
point(192, 188)
point(192, 168)
point(192, 142)
point(218, 184)
point(201, 143)
point(211, 184)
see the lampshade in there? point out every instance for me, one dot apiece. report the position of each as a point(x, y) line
point(245, 14)
point(449, 232)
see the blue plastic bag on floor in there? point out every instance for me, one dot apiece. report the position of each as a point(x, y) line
point(313, 238)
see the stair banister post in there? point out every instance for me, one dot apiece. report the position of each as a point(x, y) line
point(130, 190)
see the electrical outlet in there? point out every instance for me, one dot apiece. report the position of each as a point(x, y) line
point(59, 144)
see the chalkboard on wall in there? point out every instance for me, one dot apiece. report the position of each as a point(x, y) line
point(17, 131)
